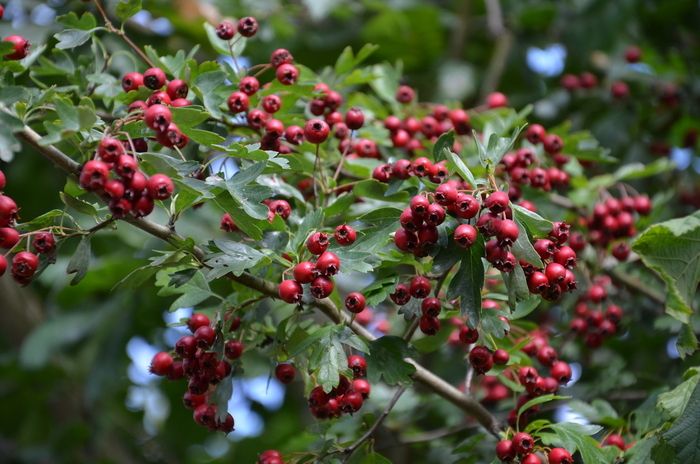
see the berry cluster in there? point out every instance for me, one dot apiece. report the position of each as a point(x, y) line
point(319, 273)
point(419, 221)
point(347, 397)
point(612, 221)
point(420, 288)
point(522, 445)
point(593, 321)
point(559, 259)
point(197, 361)
point(129, 191)
point(25, 263)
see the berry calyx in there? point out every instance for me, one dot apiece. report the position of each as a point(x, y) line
point(290, 291)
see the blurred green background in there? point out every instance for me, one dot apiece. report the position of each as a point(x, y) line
point(73, 386)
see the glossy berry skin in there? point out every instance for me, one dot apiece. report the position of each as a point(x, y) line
point(24, 264)
point(271, 103)
point(431, 307)
point(225, 30)
point(328, 264)
point(555, 273)
point(8, 237)
point(354, 118)
point(420, 287)
point(355, 302)
point(132, 81)
point(177, 88)
point(205, 336)
point(92, 177)
point(158, 98)
point(465, 235)
point(154, 78)
point(160, 187)
point(358, 365)
point(294, 135)
point(362, 387)
point(186, 346)
point(405, 94)
point(496, 100)
point(401, 294)
point(481, 359)
point(435, 215)
point(285, 373)
point(247, 26)
point(522, 443)
point(506, 232)
point(429, 325)
point(44, 242)
point(158, 117)
point(196, 321)
point(109, 149)
point(249, 85)
point(20, 47)
point(316, 131)
point(281, 56)
point(345, 235)
point(497, 202)
point(561, 371)
point(535, 133)
point(317, 243)
point(3, 181)
point(446, 194)
point(505, 451)
point(290, 291)
point(419, 206)
point(468, 335)
point(553, 144)
point(531, 459)
point(321, 287)
point(501, 357)
point(560, 456)
point(304, 272)
point(161, 363)
point(233, 349)
point(287, 74)
point(274, 128)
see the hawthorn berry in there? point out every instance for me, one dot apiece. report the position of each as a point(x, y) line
point(177, 89)
point(154, 78)
point(93, 176)
point(132, 81)
point(225, 30)
point(161, 363)
point(420, 287)
point(44, 242)
point(281, 56)
point(3, 181)
point(247, 26)
point(24, 264)
point(429, 325)
point(328, 264)
point(233, 349)
point(345, 235)
point(446, 194)
point(559, 456)
point(480, 359)
point(20, 47)
point(431, 307)
point(3, 264)
point(535, 133)
point(405, 94)
point(531, 459)
point(501, 357)
point(354, 118)
point(358, 365)
point(160, 187)
point(274, 128)
point(8, 237)
point(290, 291)
point(287, 74)
point(496, 100)
point(505, 451)
point(468, 335)
point(523, 443)
point(362, 387)
point(401, 294)
point(205, 336)
point(561, 371)
point(226, 224)
point(497, 202)
point(615, 439)
point(317, 243)
point(316, 131)
point(355, 302)
point(321, 287)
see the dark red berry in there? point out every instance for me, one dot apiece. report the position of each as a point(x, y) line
point(316, 131)
point(20, 47)
point(247, 26)
point(161, 363)
point(321, 287)
point(285, 373)
point(420, 287)
point(225, 30)
point(287, 74)
point(154, 78)
point(355, 302)
point(290, 291)
point(233, 349)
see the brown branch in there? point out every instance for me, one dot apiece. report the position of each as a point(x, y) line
point(326, 306)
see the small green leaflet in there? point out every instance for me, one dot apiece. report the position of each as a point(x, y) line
point(127, 8)
point(468, 282)
point(80, 261)
point(386, 361)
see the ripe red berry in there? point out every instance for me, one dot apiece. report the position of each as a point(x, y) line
point(566, 256)
point(20, 47)
point(316, 131)
point(496, 100)
point(192, 401)
point(274, 128)
point(497, 202)
point(419, 206)
point(226, 224)
point(555, 273)
point(547, 355)
point(186, 346)
point(281, 56)
point(233, 349)
point(633, 54)
point(431, 307)
point(158, 98)
point(3, 181)
point(44, 242)
point(132, 81)
point(506, 232)
point(435, 215)
point(354, 118)
point(446, 194)
point(505, 451)
point(154, 78)
point(362, 387)
point(92, 177)
point(501, 357)
point(205, 336)
point(287, 74)
point(238, 102)
point(351, 402)
point(3, 264)
point(523, 443)
point(420, 287)
point(531, 459)
point(157, 117)
point(290, 291)
point(304, 272)
point(197, 320)
point(294, 135)
point(561, 371)
point(24, 264)
point(177, 88)
point(468, 335)
point(249, 85)
point(328, 264)
point(8, 237)
point(405, 94)
point(560, 456)
point(345, 235)
point(225, 30)
point(126, 166)
point(355, 302)
point(401, 294)
point(317, 243)
point(597, 293)
point(247, 26)
point(161, 363)
point(285, 373)
point(480, 359)
point(429, 325)
point(109, 149)
point(358, 365)
point(160, 187)
point(535, 134)
point(615, 439)
point(321, 287)
point(553, 144)
point(545, 248)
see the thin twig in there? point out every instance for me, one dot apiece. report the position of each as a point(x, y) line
point(122, 34)
point(342, 157)
point(368, 434)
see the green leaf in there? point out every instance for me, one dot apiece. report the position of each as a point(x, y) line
point(443, 145)
point(522, 248)
point(86, 22)
point(372, 188)
point(640, 453)
point(188, 116)
point(127, 8)
point(525, 307)
point(468, 282)
point(456, 164)
point(684, 434)
point(80, 261)
point(535, 224)
point(540, 400)
point(72, 38)
point(203, 137)
point(221, 397)
point(208, 87)
point(77, 204)
point(673, 402)
point(582, 145)
point(347, 60)
point(672, 250)
point(195, 291)
point(576, 437)
point(235, 257)
point(386, 360)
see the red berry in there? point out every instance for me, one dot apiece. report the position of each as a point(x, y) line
point(154, 78)
point(468, 335)
point(186, 346)
point(429, 325)
point(161, 363)
point(419, 206)
point(285, 373)
point(597, 293)
point(401, 294)
point(20, 47)
point(561, 371)
point(205, 336)
point(633, 54)
point(505, 451)
point(435, 215)
point(225, 30)
point(446, 194)
point(405, 94)
point(237, 102)
point(345, 235)
point(233, 349)
point(615, 439)
point(355, 302)
point(249, 85)
point(566, 256)
point(553, 144)
point(497, 202)
point(431, 307)
point(545, 248)
point(92, 177)
point(44, 242)
point(354, 118)
point(496, 100)
point(247, 26)
point(351, 402)
point(24, 264)
point(192, 401)
point(560, 456)
point(501, 357)
point(126, 166)
point(158, 117)
point(290, 291)
point(358, 365)
point(523, 443)
point(420, 287)
point(547, 355)
point(287, 74)
point(158, 98)
point(281, 56)
point(226, 224)
point(274, 128)
point(535, 134)
point(304, 272)
point(537, 282)
point(531, 459)
point(362, 387)
point(294, 135)
point(316, 131)
point(460, 121)
point(132, 81)
point(555, 273)
point(3, 181)
point(160, 187)
point(3, 264)
point(317, 243)
point(588, 80)
point(321, 287)
point(271, 103)
point(506, 232)
point(481, 359)
point(328, 264)
point(8, 237)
